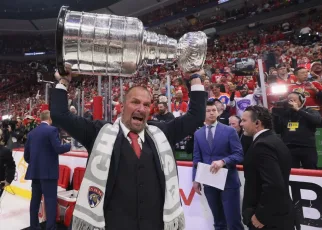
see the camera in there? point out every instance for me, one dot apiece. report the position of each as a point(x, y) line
point(281, 104)
point(39, 67)
point(6, 123)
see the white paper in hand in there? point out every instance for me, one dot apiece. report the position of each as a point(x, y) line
point(204, 176)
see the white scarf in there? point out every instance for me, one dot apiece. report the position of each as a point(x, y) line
point(89, 214)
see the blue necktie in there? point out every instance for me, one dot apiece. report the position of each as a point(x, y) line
point(210, 137)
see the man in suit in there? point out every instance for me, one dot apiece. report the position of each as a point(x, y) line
point(246, 141)
point(41, 153)
point(135, 188)
point(7, 165)
point(267, 165)
point(218, 145)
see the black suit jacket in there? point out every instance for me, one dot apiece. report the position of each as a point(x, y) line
point(7, 165)
point(86, 131)
point(267, 167)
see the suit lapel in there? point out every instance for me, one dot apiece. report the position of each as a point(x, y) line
point(217, 136)
point(117, 148)
point(203, 139)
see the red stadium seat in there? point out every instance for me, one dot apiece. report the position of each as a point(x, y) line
point(67, 199)
point(78, 177)
point(64, 176)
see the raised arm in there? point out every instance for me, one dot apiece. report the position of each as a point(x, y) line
point(81, 129)
point(181, 127)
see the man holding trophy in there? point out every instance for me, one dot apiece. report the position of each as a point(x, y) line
point(131, 180)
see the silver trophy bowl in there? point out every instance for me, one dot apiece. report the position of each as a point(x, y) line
point(103, 44)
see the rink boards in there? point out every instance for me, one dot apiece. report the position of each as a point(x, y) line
point(305, 189)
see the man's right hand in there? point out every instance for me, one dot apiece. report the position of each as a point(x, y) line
point(197, 187)
point(65, 80)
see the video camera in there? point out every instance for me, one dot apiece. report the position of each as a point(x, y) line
point(6, 123)
point(281, 104)
point(38, 67)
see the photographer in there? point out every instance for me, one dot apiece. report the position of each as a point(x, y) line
point(7, 165)
point(14, 132)
point(19, 132)
point(297, 125)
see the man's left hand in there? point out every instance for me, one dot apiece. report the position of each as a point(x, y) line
point(256, 222)
point(216, 165)
point(196, 81)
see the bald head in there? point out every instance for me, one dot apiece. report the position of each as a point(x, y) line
point(134, 90)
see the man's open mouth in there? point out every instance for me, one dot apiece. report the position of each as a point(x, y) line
point(137, 118)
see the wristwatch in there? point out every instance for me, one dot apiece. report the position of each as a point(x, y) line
point(194, 76)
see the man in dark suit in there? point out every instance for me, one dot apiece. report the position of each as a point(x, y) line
point(7, 165)
point(246, 141)
point(42, 150)
point(267, 165)
point(135, 188)
point(218, 145)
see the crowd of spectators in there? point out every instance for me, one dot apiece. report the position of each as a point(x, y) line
point(22, 97)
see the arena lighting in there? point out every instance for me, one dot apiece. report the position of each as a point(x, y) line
point(5, 117)
point(35, 53)
point(222, 1)
point(279, 89)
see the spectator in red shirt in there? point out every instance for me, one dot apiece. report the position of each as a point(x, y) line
point(179, 107)
point(216, 76)
point(179, 85)
point(283, 76)
point(309, 89)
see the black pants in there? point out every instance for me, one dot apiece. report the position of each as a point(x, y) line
point(305, 156)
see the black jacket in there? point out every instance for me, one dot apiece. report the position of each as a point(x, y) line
point(267, 167)
point(308, 120)
point(7, 165)
point(246, 141)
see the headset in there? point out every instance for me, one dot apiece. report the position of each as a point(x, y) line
point(302, 97)
point(238, 118)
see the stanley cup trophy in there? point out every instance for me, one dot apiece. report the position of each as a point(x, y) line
point(103, 44)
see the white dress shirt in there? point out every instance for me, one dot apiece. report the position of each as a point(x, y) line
point(213, 129)
point(126, 133)
point(259, 133)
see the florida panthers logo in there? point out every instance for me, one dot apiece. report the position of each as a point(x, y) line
point(302, 91)
point(94, 196)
